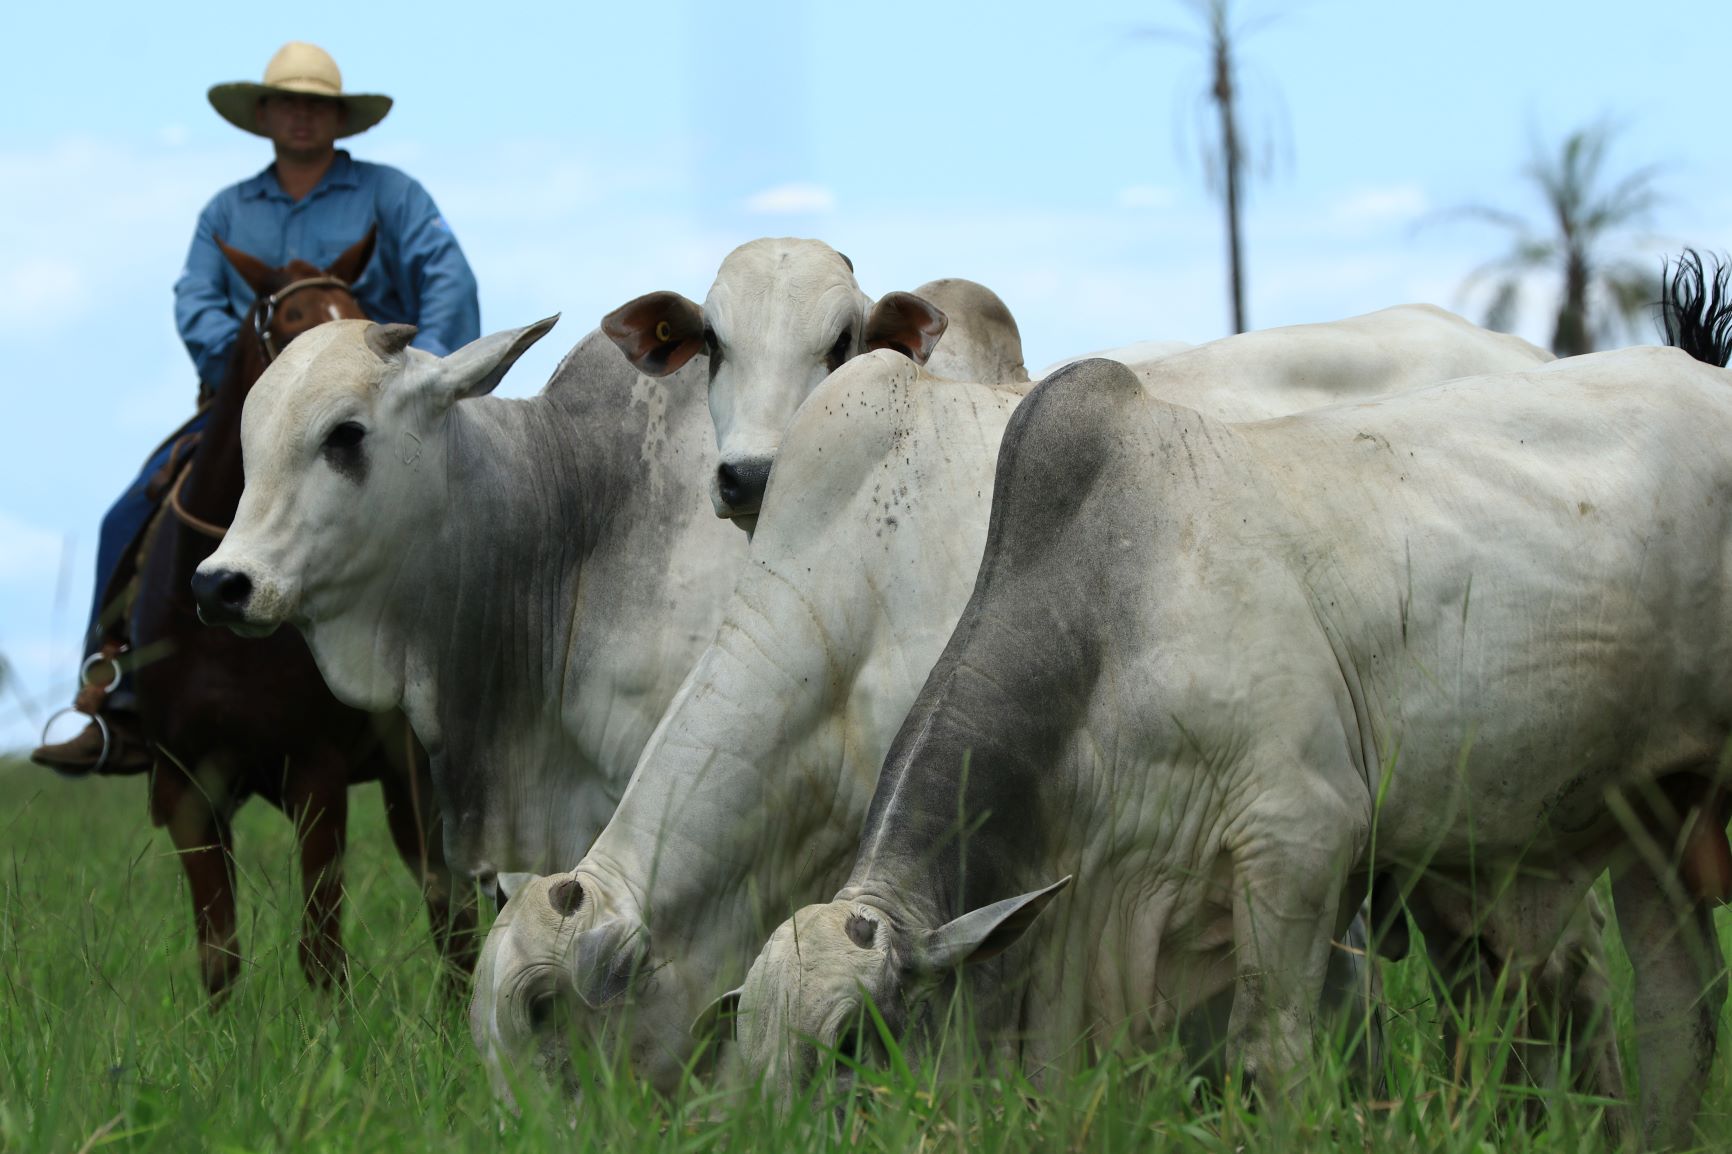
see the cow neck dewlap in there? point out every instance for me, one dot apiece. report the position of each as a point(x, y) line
point(494, 631)
point(510, 548)
point(731, 799)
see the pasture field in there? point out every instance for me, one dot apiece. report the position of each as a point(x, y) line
point(106, 1042)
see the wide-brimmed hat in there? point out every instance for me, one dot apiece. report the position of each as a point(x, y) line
point(298, 70)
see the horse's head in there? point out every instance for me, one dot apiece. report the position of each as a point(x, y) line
point(292, 299)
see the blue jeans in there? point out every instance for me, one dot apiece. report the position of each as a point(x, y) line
point(124, 521)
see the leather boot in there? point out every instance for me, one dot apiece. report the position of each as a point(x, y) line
point(127, 750)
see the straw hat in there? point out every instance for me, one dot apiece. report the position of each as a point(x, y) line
point(301, 70)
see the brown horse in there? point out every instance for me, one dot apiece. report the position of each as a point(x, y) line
point(230, 717)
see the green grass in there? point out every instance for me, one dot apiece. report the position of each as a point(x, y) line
point(106, 1041)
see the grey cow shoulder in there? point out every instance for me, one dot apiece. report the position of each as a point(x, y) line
point(602, 581)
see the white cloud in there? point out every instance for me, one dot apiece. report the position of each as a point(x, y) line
point(788, 199)
point(1378, 206)
point(1145, 196)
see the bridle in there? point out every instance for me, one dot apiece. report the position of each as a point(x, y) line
point(265, 311)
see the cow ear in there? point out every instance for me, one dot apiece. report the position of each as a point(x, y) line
point(983, 933)
point(565, 895)
point(718, 1018)
point(657, 333)
point(477, 368)
point(907, 324)
point(605, 960)
point(254, 271)
point(352, 262)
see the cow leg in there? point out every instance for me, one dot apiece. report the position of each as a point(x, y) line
point(1285, 897)
point(1576, 995)
point(1353, 1002)
point(1546, 933)
point(420, 840)
point(1680, 982)
point(316, 798)
point(198, 825)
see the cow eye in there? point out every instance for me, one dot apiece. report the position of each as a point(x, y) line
point(540, 1012)
point(345, 436)
point(712, 349)
point(342, 451)
point(840, 350)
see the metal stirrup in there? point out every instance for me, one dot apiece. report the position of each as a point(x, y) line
point(92, 662)
point(101, 725)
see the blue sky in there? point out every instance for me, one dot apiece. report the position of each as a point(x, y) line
point(585, 154)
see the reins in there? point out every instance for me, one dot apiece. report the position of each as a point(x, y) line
point(196, 524)
point(263, 313)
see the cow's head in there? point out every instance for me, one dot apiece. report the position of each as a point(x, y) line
point(806, 995)
point(781, 316)
point(559, 966)
point(342, 439)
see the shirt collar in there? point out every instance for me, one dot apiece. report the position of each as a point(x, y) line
point(264, 186)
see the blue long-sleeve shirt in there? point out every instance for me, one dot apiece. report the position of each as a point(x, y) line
point(417, 274)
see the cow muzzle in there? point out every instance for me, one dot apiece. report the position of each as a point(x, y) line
point(739, 487)
point(227, 597)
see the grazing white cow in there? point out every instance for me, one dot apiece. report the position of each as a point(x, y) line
point(781, 316)
point(1476, 638)
point(528, 579)
point(749, 798)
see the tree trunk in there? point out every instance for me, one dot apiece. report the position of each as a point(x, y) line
point(1230, 158)
point(1572, 338)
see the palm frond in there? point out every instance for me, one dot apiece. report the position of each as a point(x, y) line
point(1526, 257)
point(1629, 203)
point(1630, 296)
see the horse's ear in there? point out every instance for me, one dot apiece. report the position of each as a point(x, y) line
point(253, 270)
point(353, 262)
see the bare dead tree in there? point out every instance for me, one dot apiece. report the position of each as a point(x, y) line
point(1226, 159)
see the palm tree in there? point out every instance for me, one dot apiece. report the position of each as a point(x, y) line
point(1225, 158)
point(1602, 294)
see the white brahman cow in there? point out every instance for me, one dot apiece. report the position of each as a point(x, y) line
point(528, 579)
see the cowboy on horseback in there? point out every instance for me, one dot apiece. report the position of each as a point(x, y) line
point(312, 203)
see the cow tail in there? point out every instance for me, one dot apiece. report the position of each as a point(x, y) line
point(1696, 307)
